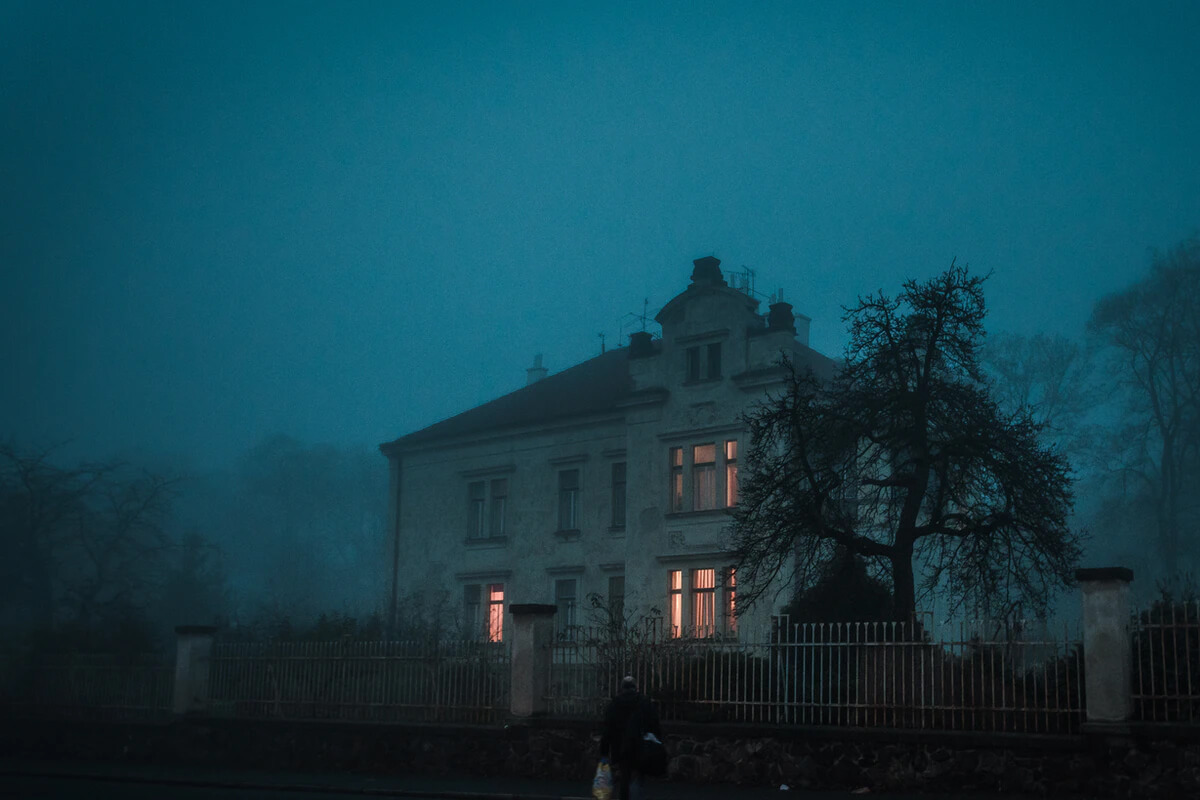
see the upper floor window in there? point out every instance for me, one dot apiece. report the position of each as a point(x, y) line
point(480, 522)
point(704, 362)
point(676, 479)
point(618, 494)
point(712, 477)
point(568, 499)
point(731, 473)
point(704, 477)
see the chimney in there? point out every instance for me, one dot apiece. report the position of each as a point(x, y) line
point(640, 345)
point(536, 372)
point(781, 317)
point(707, 271)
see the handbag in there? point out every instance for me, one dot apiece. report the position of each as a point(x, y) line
point(602, 784)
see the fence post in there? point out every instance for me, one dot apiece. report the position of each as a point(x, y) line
point(1107, 645)
point(193, 651)
point(533, 632)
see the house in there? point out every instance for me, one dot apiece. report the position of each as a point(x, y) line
point(612, 479)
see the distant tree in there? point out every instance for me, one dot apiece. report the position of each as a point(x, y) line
point(194, 589)
point(905, 455)
point(1149, 334)
point(84, 543)
point(1044, 373)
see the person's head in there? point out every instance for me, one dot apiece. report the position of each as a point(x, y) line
point(628, 684)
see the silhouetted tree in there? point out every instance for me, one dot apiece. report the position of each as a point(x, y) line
point(904, 455)
point(1150, 333)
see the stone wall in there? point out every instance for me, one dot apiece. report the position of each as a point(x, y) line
point(1055, 766)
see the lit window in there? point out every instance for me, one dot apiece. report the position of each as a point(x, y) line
point(677, 479)
point(704, 477)
point(476, 500)
point(731, 600)
point(618, 494)
point(731, 473)
point(568, 500)
point(704, 585)
point(564, 600)
point(495, 625)
point(675, 604)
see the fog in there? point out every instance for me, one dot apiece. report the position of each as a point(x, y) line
point(244, 246)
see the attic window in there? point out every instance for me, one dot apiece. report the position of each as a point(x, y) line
point(704, 362)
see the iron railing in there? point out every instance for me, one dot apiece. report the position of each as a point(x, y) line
point(851, 674)
point(423, 681)
point(109, 686)
point(1166, 662)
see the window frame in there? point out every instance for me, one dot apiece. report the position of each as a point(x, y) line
point(569, 499)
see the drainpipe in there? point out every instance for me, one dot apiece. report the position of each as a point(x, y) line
point(394, 503)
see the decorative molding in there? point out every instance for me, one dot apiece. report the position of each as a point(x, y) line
point(577, 570)
point(484, 575)
point(704, 556)
point(568, 535)
point(499, 469)
point(612, 566)
point(687, 434)
point(713, 335)
point(486, 542)
point(563, 460)
point(618, 452)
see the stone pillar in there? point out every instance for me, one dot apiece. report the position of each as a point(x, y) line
point(533, 632)
point(193, 651)
point(1107, 645)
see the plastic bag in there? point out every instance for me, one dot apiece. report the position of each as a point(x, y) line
point(602, 784)
point(652, 756)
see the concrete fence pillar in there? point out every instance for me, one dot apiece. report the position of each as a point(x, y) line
point(533, 633)
point(193, 652)
point(1107, 645)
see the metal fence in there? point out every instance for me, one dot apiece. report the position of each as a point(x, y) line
point(1166, 662)
point(88, 686)
point(378, 681)
point(851, 674)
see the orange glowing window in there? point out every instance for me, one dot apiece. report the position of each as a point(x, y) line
point(495, 617)
point(675, 604)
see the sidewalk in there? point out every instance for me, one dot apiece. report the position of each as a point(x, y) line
point(448, 787)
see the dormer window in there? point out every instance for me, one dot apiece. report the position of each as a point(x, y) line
point(704, 362)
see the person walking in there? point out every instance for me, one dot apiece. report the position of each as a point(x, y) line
point(629, 717)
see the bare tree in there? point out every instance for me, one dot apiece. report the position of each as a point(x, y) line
point(1150, 333)
point(906, 457)
point(81, 542)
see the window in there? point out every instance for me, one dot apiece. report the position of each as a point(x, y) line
point(499, 505)
point(495, 625)
point(476, 501)
point(712, 477)
point(616, 599)
point(704, 363)
point(704, 477)
point(731, 473)
point(677, 479)
point(480, 523)
point(471, 620)
point(675, 603)
point(618, 494)
point(564, 600)
point(703, 608)
point(568, 500)
point(704, 587)
point(484, 620)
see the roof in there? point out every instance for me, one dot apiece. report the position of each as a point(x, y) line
point(592, 387)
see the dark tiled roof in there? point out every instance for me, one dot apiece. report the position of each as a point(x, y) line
point(593, 387)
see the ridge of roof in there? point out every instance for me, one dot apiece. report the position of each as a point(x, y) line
point(590, 387)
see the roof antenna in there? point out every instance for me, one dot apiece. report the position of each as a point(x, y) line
point(601, 335)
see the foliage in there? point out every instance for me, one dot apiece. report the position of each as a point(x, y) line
point(1149, 336)
point(845, 592)
point(905, 455)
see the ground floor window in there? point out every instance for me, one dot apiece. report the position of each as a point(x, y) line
point(703, 605)
point(483, 611)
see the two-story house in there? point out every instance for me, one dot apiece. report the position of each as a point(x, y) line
point(614, 478)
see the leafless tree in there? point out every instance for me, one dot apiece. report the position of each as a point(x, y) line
point(904, 456)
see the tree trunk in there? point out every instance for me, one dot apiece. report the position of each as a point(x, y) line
point(904, 591)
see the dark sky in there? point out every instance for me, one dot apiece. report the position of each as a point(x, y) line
point(345, 221)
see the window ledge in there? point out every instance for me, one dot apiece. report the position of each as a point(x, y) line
point(617, 530)
point(701, 381)
point(568, 535)
point(484, 542)
point(703, 514)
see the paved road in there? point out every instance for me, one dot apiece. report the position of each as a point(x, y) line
point(107, 781)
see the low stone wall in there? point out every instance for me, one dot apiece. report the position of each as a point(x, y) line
point(815, 758)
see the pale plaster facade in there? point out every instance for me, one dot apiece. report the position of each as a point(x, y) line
point(524, 493)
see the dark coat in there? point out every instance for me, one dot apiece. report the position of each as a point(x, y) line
point(629, 715)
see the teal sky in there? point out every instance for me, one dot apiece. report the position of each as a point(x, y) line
point(345, 221)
